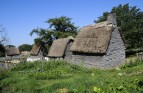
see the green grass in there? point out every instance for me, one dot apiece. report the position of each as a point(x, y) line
point(58, 76)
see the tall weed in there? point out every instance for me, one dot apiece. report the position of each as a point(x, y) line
point(131, 62)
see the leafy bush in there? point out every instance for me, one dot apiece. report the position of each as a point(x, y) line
point(131, 62)
point(4, 73)
point(22, 66)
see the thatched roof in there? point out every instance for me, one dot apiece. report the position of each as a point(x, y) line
point(12, 51)
point(35, 50)
point(59, 46)
point(93, 38)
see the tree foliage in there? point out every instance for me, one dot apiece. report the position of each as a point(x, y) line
point(43, 35)
point(2, 50)
point(59, 27)
point(25, 47)
point(130, 20)
point(61, 24)
point(10, 46)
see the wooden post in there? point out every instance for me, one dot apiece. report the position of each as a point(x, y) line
point(140, 55)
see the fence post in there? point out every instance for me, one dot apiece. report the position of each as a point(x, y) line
point(140, 55)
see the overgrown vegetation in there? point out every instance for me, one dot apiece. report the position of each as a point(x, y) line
point(58, 76)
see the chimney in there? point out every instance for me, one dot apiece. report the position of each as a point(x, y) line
point(111, 19)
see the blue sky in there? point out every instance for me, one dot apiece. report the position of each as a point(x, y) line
point(19, 17)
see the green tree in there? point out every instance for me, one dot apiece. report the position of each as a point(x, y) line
point(130, 20)
point(43, 35)
point(59, 27)
point(102, 18)
point(2, 51)
point(10, 46)
point(25, 47)
point(61, 24)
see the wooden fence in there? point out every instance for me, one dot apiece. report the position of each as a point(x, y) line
point(140, 55)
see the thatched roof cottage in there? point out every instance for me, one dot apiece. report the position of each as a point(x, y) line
point(38, 52)
point(99, 45)
point(61, 48)
point(12, 51)
point(12, 55)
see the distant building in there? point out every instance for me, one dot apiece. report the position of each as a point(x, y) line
point(12, 55)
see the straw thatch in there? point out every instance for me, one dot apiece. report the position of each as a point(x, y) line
point(58, 47)
point(35, 50)
point(12, 51)
point(93, 39)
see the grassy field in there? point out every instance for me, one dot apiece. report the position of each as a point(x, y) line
point(58, 76)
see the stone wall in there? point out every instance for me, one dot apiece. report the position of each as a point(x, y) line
point(115, 54)
point(68, 53)
point(6, 65)
point(87, 60)
point(2, 65)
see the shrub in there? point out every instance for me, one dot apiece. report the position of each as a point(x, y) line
point(131, 62)
point(4, 73)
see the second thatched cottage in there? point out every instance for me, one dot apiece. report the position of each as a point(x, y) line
point(61, 48)
point(99, 45)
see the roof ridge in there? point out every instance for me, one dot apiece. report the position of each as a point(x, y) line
point(97, 25)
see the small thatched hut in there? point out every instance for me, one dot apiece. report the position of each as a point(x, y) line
point(12, 55)
point(12, 51)
point(38, 52)
point(61, 48)
point(99, 45)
